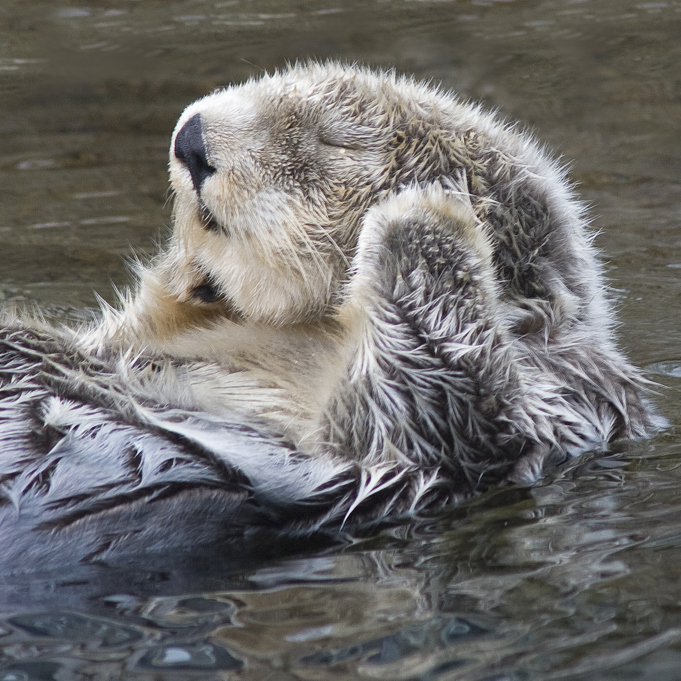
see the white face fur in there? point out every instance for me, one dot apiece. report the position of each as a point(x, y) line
point(292, 163)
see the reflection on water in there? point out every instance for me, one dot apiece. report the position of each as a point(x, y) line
point(576, 578)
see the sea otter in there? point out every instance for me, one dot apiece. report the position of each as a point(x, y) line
point(377, 300)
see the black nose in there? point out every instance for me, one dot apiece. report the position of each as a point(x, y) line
point(190, 149)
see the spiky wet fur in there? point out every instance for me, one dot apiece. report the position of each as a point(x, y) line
point(382, 299)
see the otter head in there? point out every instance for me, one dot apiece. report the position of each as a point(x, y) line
point(272, 178)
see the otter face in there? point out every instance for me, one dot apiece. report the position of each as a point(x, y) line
point(271, 180)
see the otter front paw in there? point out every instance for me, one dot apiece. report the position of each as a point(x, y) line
point(424, 249)
point(432, 379)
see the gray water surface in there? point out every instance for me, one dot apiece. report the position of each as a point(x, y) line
point(578, 577)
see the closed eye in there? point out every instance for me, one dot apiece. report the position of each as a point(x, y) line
point(338, 143)
point(355, 137)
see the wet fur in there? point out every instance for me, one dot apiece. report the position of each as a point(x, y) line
point(377, 299)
